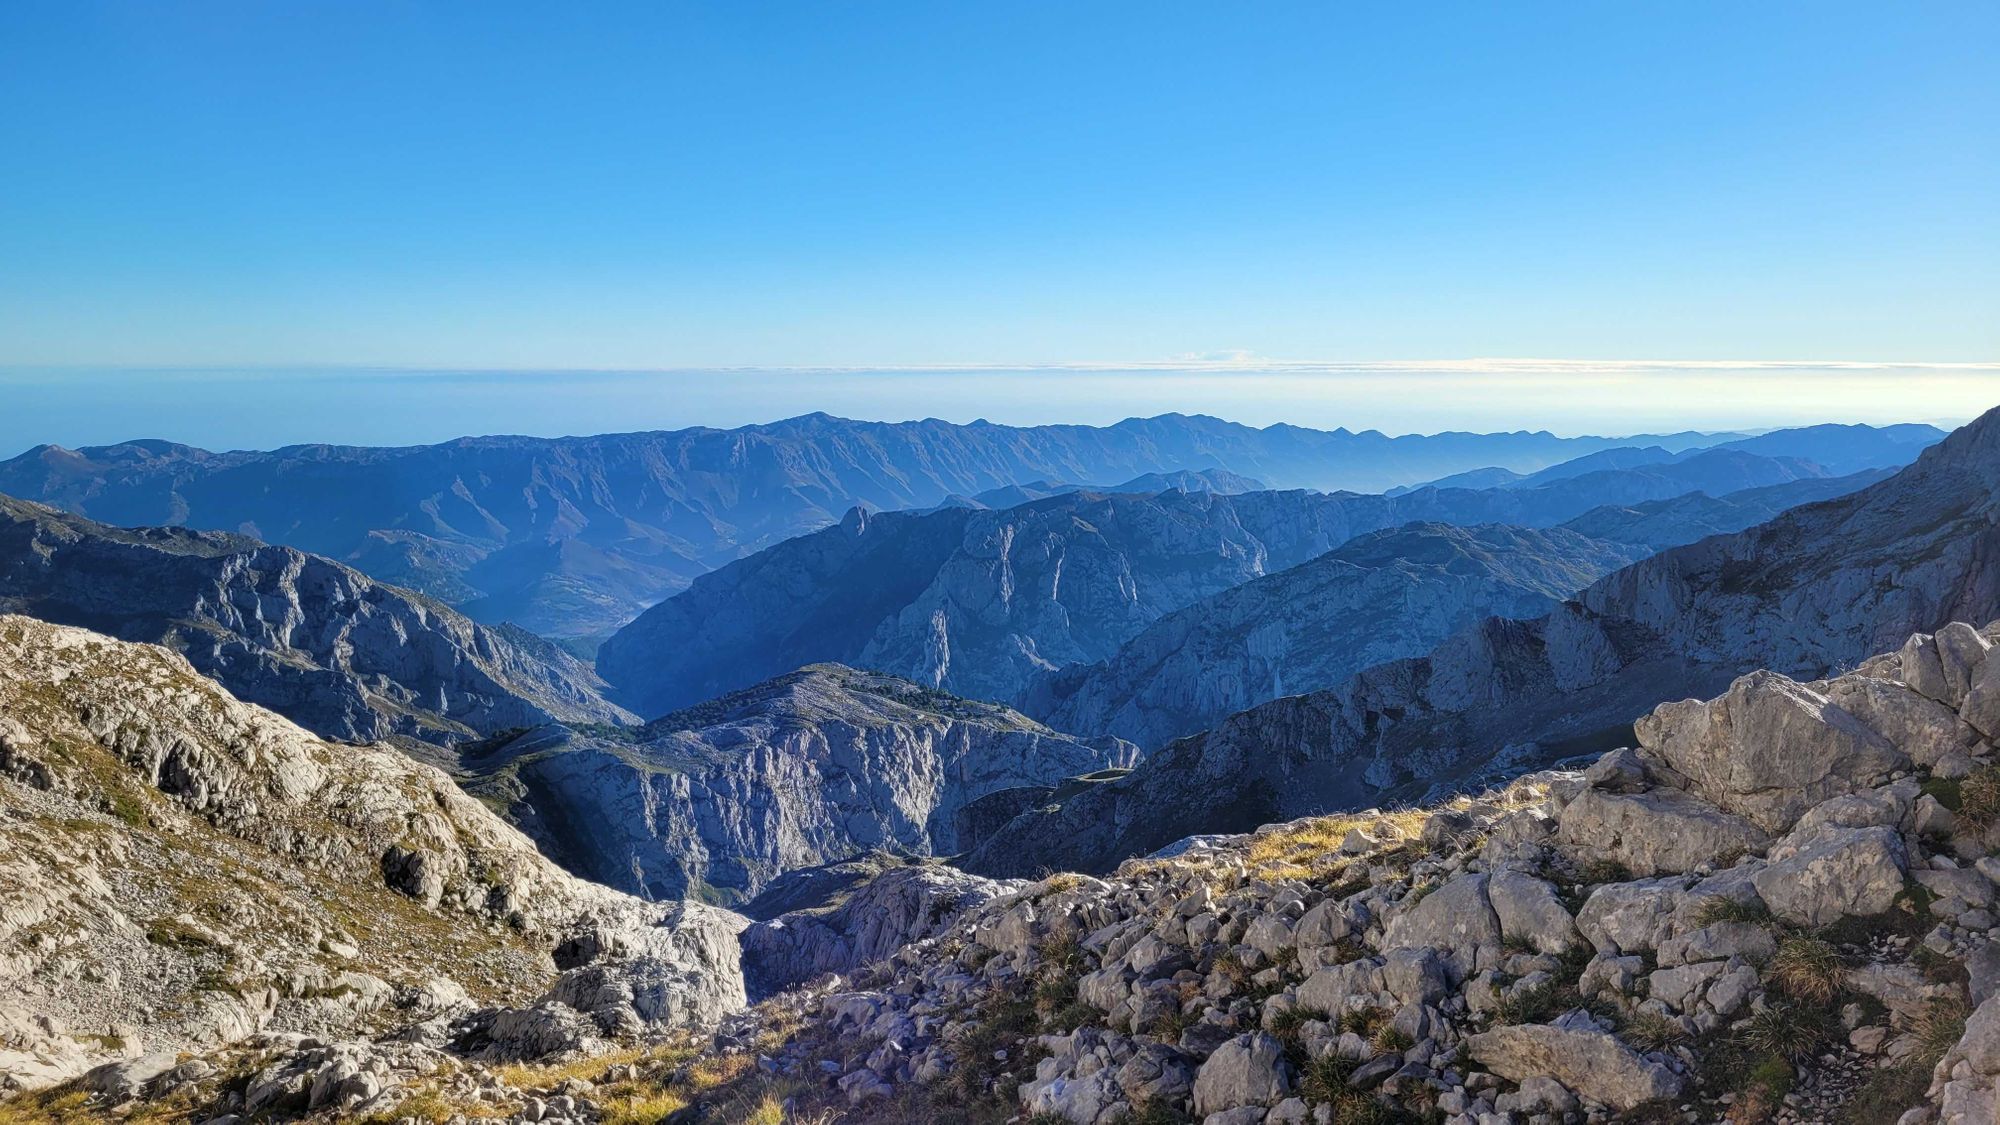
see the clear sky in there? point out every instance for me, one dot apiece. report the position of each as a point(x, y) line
point(653, 185)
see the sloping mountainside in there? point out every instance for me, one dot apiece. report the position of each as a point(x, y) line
point(1843, 449)
point(1778, 907)
point(320, 643)
point(983, 603)
point(181, 871)
point(1380, 596)
point(574, 536)
point(1659, 524)
point(1836, 449)
point(815, 766)
point(1812, 591)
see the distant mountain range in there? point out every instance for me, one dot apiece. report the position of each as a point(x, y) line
point(1807, 593)
point(1836, 449)
point(983, 603)
point(574, 536)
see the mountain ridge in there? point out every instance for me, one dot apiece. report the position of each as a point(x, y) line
point(349, 657)
point(658, 508)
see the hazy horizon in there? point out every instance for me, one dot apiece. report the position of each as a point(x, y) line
point(263, 408)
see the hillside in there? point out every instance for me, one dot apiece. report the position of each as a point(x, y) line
point(1776, 906)
point(181, 871)
point(1377, 597)
point(318, 642)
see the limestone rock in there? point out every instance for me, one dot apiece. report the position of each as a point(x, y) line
point(1834, 872)
point(162, 789)
point(1768, 749)
point(317, 641)
point(811, 768)
point(1531, 912)
point(1248, 1070)
point(1593, 1063)
point(903, 904)
point(1662, 831)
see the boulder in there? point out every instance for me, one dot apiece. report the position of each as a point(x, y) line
point(1889, 806)
point(1621, 771)
point(1663, 831)
point(1247, 1070)
point(1090, 1099)
point(1962, 658)
point(121, 1082)
point(1156, 1072)
point(1833, 873)
point(1631, 917)
point(1455, 916)
point(1920, 727)
point(1531, 912)
point(1721, 941)
point(1768, 749)
point(1593, 1063)
point(1680, 987)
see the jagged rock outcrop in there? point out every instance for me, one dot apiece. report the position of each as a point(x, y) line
point(894, 908)
point(1378, 597)
point(180, 870)
point(806, 769)
point(318, 642)
point(1813, 591)
point(574, 536)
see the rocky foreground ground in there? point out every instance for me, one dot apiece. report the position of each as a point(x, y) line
point(1778, 907)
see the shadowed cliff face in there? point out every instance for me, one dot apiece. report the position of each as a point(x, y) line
point(1812, 591)
point(1377, 597)
point(982, 603)
point(318, 642)
point(717, 801)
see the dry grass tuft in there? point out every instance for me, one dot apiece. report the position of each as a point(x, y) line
point(1808, 970)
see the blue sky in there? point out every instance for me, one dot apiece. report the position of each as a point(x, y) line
point(537, 186)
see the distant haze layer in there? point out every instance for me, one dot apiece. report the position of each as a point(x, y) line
point(243, 408)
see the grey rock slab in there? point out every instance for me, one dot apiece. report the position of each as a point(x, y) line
point(1834, 873)
point(1657, 832)
point(1594, 1064)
